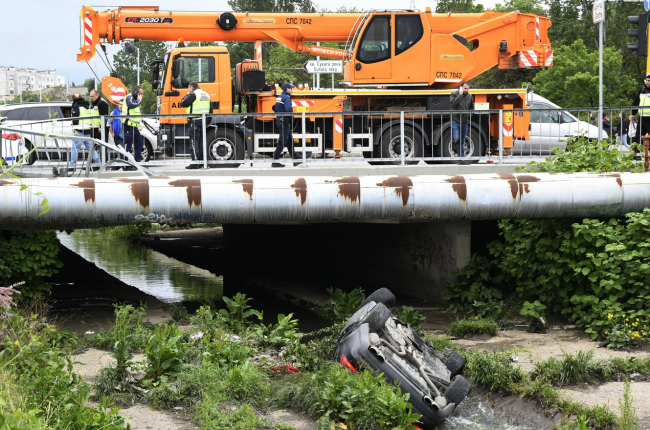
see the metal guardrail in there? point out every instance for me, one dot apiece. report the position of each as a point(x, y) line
point(378, 137)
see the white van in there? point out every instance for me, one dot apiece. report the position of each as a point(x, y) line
point(550, 126)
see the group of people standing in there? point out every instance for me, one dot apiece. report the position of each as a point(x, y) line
point(125, 131)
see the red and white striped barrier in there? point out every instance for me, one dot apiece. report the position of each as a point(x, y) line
point(338, 126)
point(258, 50)
point(528, 58)
point(296, 103)
point(549, 58)
point(88, 31)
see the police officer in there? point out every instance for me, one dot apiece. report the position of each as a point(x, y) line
point(284, 123)
point(196, 102)
point(642, 100)
point(132, 136)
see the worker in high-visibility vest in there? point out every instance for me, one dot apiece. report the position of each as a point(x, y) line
point(88, 117)
point(96, 101)
point(642, 100)
point(197, 103)
point(132, 136)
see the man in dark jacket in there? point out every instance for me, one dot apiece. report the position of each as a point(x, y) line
point(461, 100)
point(642, 100)
point(284, 123)
point(102, 106)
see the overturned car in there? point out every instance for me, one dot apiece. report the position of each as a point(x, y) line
point(385, 344)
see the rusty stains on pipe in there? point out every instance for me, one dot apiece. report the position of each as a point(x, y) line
point(247, 185)
point(139, 189)
point(402, 185)
point(193, 190)
point(614, 175)
point(89, 189)
point(349, 188)
point(459, 186)
point(301, 189)
point(512, 181)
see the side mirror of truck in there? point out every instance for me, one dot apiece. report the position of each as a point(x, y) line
point(175, 83)
point(176, 68)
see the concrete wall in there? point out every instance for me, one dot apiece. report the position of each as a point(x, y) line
point(412, 259)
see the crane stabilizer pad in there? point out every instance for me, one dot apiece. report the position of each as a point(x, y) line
point(227, 21)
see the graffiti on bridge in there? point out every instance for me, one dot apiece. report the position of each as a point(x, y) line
point(429, 251)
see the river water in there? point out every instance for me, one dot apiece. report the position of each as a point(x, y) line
point(173, 281)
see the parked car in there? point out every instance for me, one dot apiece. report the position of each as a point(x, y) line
point(12, 148)
point(375, 339)
point(53, 117)
point(551, 126)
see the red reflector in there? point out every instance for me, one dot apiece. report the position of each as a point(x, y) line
point(12, 136)
point(417, 427)
point(346, 363)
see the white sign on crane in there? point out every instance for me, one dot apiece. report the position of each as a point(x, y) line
point(318, 66)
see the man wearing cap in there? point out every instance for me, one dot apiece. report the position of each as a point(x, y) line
point(643, 101)
point(284, 123)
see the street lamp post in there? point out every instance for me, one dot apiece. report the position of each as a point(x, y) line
point(129, 48)
point(138, 64)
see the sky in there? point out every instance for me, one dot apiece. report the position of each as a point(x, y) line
point(44, 34)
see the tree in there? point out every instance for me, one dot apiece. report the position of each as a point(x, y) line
point(573, 79)
point(524, 6)
point(126, 66)
point(459, 6)
point(28, 97)
point(90, 84)
point(148, 104)
point(56, 93)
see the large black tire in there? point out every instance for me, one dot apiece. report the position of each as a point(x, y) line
point(382, 295)
point(473, 145)
point(32, 157)
point(391, 145)
point(377, 317)
point(458, 390)
point(225, 144)
point(455, 363)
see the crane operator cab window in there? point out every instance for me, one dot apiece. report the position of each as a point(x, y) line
point(199, 69)
point(409, 31)
point(375, 45)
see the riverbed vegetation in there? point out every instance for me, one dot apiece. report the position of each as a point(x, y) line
point(593, 271)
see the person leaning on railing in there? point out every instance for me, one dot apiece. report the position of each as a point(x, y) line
point(82, 127)
point(461, 100)
point(132, 125)
point(642, 100)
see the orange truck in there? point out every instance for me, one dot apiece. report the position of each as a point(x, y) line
point(393, 61)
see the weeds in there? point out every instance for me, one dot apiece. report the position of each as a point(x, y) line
point(628, 420)
point(178, 314)
point(411, 317)
point(163, 352)
point(238, 312)
point(461, 327)
point(493, 371)
point(439, 342)
point(341, 305)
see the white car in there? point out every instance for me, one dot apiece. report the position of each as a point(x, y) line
point(54, 117)
point(551, 126)
point(12, 148)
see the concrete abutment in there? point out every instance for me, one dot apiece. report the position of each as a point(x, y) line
point(413, 259)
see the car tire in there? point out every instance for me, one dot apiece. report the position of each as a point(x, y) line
point(147, 150)
point(458, 390)
point(391, 145)
point(473, 145)
point(32, 157)
point(382, 295)
point(225, 144)
point(377, 317)
point(455, 363)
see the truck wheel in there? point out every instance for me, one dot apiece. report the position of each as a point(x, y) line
point(455, 363)
point(377, 317)
point(391, 145)
point(458, 390)
point(472, 145)
point(32, 157)
point(225, 144)
point(382, 295)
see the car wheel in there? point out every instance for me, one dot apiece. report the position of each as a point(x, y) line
point(472, 145)
point(382, 295)
point(225, 144)
point(458, 390)
point(377, 317)
point(391, 145)
point(32, 157)
point(455, 363)
point(147, 150)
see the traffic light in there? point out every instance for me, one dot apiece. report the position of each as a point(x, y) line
point(641, 34)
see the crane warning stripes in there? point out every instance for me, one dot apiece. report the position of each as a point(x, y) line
point(258, 50)
point(549, 58)
point(508, 125)
point(528, 58)
point(295, 103)
point(338, 125)
point(88, 31)
point(539, 39)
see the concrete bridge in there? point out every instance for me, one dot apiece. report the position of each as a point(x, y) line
point(416, 229)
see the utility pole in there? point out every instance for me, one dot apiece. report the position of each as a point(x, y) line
point(598, 14)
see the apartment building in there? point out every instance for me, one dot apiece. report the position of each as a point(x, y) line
point(14, 80)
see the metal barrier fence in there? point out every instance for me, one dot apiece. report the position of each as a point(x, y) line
point(389, 136)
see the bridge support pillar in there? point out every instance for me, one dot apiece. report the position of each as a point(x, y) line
point(413, 259)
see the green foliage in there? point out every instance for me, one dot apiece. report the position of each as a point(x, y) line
point(178, 313)
point(318, 351)
point(341, 305)
point(458, 6)
point(126, 65)
point(411, 317)
point(127, 329)
point(494, 371)
point(28, 256)
point(461, 327)
point(581, 155)
point(278, 335)
point(573, 79)
point(207, 320)
point(570, 370)
point(360, 400)
point(439, 342)
point(619, 331)
point(163, 352)
point(238, 312)
point(534, 314)
point(248, 384)
point(628, 420)
point(213, 415)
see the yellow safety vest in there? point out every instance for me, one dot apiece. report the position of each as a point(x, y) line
point(133, 122)
point(644, 100)
point(201, 104)
point(93, 121)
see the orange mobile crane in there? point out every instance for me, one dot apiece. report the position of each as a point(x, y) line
point(393, 60)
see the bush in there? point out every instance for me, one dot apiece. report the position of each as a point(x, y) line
point(494, 371)
point(341, 305)
point(238, 312)
point(362, 401)
point(411, 317)
point(178, 313)
point(246, 383)
point(164, 354)
point(128, 328)
point(461, 327)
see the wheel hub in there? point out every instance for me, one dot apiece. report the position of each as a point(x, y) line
point(221, 150)
point(395, 147)
point(469, 147)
